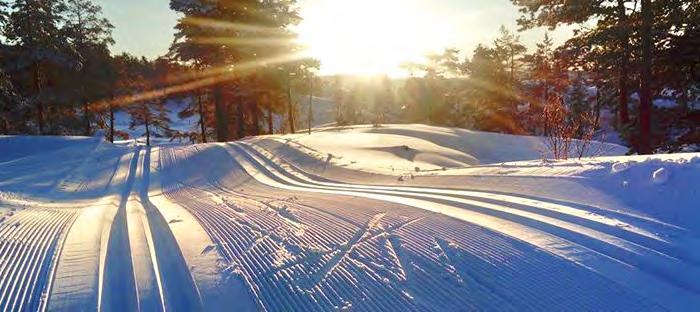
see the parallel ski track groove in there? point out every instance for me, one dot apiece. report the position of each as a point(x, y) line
point(362, 284)
point(29, 241)
point(626, 250)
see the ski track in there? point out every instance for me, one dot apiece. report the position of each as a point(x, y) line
point(140, 266)
point(28, 243)
point(143, 267)
point(305, 243)
point(341, 256)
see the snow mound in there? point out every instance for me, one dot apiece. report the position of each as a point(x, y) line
point(419, 148)
point(664, 187)
point(36, 164)
point(14, 147)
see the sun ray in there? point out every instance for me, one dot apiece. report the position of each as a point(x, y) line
point(264, 41)
point(198, 80)
point(212, 23)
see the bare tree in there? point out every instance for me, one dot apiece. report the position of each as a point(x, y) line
point(570, 136)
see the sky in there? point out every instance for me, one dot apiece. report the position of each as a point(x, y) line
point(349, 37)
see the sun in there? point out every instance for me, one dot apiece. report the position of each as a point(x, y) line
point(369, 37)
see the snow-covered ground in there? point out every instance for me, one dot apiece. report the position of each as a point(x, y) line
point(391, 149)
point(274, 223)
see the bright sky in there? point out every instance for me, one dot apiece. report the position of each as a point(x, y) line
point(350, 37)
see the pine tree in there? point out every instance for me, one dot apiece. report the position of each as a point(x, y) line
point(542, 74)
point(33, 27)
point(508, 50)
point(90, 36)
point(383, 101)
point(152, 114)
point(491, 104)
point(628, 37)
point(12, 107)
point(645, 98)
point(429, 92)
point(207, 35)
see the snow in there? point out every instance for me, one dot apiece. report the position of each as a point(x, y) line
point(273, 223)
point(412, 148)
point(665, 103)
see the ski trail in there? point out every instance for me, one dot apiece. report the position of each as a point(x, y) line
point(29, 242)
point(177, 288)
point(548, 207)
point(652, 261)
point(117, 285)
point(145, 266)
point(573, 225)
point(78, 276)
point(217, 289)
point(289, 269)
point(596, 259)
point(144, 269)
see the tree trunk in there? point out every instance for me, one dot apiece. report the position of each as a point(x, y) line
point(270, 127)
point(290, 108)
point(37, 91)
point(544, 107)
point(86, 115)
point(240, 119)
point(311, 97)
point(255, 116)
point(202, 127)
point(111, 122)
point(645, 88)
point(221, 115)
point(623, 109)
point(148, 133)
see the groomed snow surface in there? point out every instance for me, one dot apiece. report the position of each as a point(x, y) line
point(399, 217)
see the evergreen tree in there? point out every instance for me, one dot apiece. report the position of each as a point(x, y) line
point(12, 107)
point(509, 50)
point(490, 103)
point(90, 36)
point(543, 78)
point(151, 114)
point(612, 33)
point(383, 101)
point(427, 95)
point(209, 35)
point(632, 38)
point(33, 27)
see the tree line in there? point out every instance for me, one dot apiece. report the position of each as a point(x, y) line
point(624, 56)
point(234, 63)
point(238, 68)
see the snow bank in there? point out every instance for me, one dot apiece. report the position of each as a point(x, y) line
point(13, 147)
point(664, 187)
point(36, 164)
point(416, 148)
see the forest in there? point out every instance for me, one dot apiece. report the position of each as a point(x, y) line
point(241, 72)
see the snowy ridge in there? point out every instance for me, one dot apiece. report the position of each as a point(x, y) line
point(390, 149)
